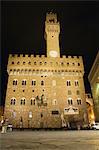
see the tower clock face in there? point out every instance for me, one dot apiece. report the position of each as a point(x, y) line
point(53, 53)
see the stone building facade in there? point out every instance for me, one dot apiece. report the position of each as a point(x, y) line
point(94, 82)
point(46, 91)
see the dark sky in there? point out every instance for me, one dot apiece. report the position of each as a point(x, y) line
point(22, 25)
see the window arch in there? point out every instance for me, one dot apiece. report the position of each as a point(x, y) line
point(24, 82)
point(68, 83)
point(13, 101)
point(79, 101)
point(76, 83)
point(70, 101)
point(42, 82)
point(34, 82)
point(32, 101)
point(15, 82)
point(22, 102)
point(78, 64)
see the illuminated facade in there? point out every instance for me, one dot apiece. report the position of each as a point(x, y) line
point(43, 92)
point(94, 81)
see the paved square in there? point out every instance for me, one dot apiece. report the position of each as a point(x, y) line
point(50, 140)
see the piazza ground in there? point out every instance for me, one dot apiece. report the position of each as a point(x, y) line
point(50, 140)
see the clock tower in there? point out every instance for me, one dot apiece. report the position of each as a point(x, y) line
point(52, 30)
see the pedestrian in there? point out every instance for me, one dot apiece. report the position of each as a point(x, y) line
point(21, 123)
point(4, 125)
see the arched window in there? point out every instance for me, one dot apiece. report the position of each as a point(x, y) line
point(14, 82)
point(68, 83)
point(12, 62)
point(79, 101)
point(42, 82)
point(22, 102)
point(33, 101)
point(34, 63)
point(24, 82)
point(70, 102)
point(33, 82)
point(76, 83)
point(40, 63)
point(78, 64)
point(13, 101)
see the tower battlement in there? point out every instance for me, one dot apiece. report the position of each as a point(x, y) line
point(51, 17)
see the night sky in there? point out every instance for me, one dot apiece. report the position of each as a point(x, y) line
point(22, 25)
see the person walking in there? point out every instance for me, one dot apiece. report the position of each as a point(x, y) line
point(4, 125)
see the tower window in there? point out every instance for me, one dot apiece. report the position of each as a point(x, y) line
point(79, 101)
point(29, 63)
point(67, 64)
point(18, 62)
point(41, 115)
point(68, 83)
point(24, 82)
point(24, 63)
point(12, 62)
point(78, 64)
point(34, 63)
point(62, 63)
point(40, 63)
point(14, 82)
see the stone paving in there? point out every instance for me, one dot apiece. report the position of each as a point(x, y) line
point(50, 140)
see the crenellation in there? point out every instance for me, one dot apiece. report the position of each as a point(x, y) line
point(63, 56)
point(43, 56)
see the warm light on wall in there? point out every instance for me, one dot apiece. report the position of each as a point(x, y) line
point(92, 117)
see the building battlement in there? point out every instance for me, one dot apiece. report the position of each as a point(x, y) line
point(40, 56)
point(25, 55)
